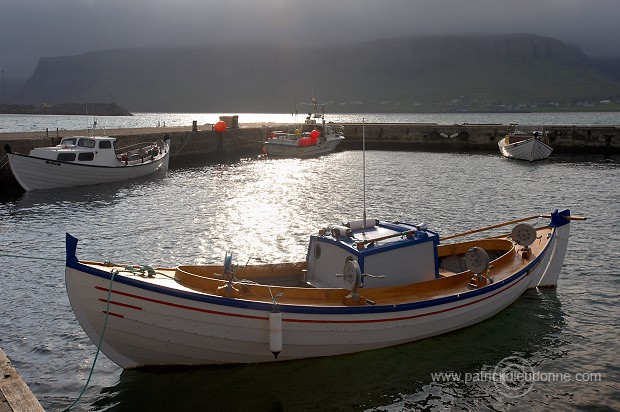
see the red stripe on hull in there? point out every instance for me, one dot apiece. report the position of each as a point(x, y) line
point(304, 320)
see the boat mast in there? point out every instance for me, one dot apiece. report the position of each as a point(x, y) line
point(364, 171)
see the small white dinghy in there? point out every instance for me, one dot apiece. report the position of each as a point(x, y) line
point(525, 146)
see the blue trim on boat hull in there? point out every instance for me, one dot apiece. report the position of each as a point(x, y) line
point(73, 262)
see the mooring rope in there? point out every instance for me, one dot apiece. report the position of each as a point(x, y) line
point(114, 272)
point(139, 270)
point(5, 163)
point(31, 257)
point(186, 140)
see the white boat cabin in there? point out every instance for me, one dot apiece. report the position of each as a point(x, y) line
point(95, 151)
point(387, 254)
point(324, 129)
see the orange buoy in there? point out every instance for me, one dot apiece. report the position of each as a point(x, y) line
point(220, 126)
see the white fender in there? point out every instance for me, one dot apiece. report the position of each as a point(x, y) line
point(275, 333)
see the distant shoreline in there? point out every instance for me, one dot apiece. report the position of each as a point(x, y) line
point(112, 109)
point(88, 109)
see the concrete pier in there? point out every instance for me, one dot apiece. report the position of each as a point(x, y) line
point(193, 145)
point(600, 140)
point(15, 396)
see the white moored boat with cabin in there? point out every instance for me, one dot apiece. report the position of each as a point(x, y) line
point(87, 160)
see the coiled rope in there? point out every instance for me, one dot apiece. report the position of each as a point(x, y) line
point(141, 270)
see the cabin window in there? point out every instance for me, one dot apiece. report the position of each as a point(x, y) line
point(68, 142)
point(83, 157)
point(317, 251)
point(90, 143)
point(106, 144)
point(66, 157)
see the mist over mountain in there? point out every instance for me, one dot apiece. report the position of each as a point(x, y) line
point(401, 74)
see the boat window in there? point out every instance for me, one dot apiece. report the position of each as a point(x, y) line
point(68, 141)
point(106, 144)
point(317, 251)
point(83, 157)
point(66, 157)
point(90, 143)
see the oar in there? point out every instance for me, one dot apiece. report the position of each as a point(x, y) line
point(511, 222)
point(567, 217)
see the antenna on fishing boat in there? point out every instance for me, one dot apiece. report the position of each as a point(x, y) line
point(87, 125)
point(364, 171)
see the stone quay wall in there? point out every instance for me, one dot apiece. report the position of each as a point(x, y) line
point(192, 146)
point(601, 140)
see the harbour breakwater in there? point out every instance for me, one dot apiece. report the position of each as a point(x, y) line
point(192, 145)
point(595, 140)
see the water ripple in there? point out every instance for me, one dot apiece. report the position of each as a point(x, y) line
point(264, 210)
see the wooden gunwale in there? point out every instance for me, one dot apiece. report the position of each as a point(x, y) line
point(504, 266)
point(201, 278)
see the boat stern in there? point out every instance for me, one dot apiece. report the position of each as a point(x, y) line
point(551, 266)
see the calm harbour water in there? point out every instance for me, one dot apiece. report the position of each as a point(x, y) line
point(265, 210)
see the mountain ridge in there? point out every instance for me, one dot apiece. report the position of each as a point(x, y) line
point(380, 75)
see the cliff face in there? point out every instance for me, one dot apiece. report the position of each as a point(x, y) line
point(394, 74)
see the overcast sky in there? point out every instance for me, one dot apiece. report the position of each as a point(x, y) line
point(30, 29)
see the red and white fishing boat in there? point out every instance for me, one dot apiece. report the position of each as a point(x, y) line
point(364, 285)
point(311, 139)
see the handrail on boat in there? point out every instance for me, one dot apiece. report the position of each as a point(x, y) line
point(511, 222)
point(135, 145)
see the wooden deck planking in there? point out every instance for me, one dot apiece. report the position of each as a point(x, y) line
point(15, 395)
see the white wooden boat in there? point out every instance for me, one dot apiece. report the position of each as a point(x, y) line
point(86, 160)
point(311, 139)
point(364, 285)
point(525, 146)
